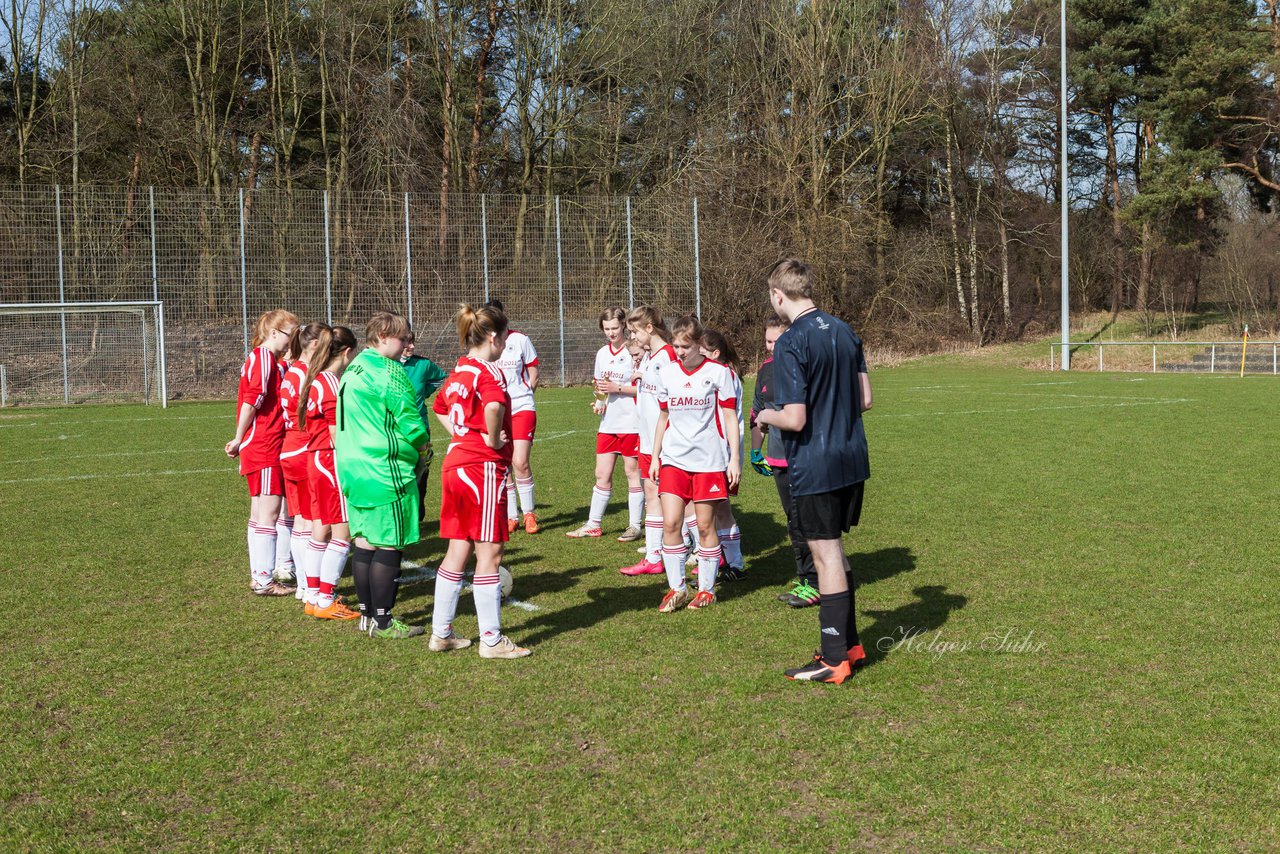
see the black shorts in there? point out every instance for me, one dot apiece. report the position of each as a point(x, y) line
point(827, 515)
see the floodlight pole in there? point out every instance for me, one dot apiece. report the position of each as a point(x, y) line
point(1062, 193)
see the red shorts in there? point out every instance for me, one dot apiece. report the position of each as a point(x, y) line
point(297, 491)
point(328, 504)
point(645, 461)
point(627, 444)
point(473, 503)
point(267, 481)
point(524, 425)
point(693, 486)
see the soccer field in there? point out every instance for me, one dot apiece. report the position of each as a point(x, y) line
point(1067, 589)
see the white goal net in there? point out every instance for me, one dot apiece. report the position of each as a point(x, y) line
point(85, 352)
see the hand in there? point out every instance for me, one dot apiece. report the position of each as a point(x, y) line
point(758, 463)
point(654, 467)
point(734, 474)
point(233, 448)
point(597, 407)
point(607, 386)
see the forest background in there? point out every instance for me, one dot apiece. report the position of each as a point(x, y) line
point(910, 149)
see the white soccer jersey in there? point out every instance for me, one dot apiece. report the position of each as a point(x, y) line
point(515, 361)
point(620, 414)
point(695, 439)
point(647, 395)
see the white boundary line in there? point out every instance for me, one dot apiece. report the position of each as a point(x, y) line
point(75, 421)
point(104, 475)
point(61, 457)
point(427, 574)
point(1038, 408)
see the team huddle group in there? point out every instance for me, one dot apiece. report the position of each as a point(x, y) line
point(334, 443)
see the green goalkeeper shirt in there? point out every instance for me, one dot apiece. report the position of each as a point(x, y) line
point(425, 376)
point(379, 431)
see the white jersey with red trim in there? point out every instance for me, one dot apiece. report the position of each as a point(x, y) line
point(620, 415)
point(515, 362)
point(695, 439)
point(647, 395)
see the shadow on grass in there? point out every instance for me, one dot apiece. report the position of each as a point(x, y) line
point(891, 629)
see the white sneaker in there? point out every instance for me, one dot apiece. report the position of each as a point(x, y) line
point(504, 648)
point(587, 530)
point(630, 535)
point(439, 644)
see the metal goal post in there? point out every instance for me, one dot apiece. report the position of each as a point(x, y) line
point(82, 352)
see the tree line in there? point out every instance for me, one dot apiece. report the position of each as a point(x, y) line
point(910, 148)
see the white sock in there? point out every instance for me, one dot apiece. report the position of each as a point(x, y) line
point(262, 553)
point(513, 511)
point(487, 591)
point(635, 504)
point(708, 563)
point(653, 538)
point(333, 561)
point(314, 561)
point(297, 552)
point(691, 532)
point(448, 589)
point(599, 501)
point(673, 562)
point(731, 541)
point(284, 542)
point(525, 488)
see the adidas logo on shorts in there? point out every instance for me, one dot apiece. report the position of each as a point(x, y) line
point(715, 489)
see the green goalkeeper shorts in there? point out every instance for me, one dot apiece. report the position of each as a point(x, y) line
point(390, 526)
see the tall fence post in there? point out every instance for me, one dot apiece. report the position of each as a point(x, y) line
point(560, 289)
point(62, 294)
point(146, 369)
point(1213, 356)
point(1099, 357)
point(244, 280)
point(328, 266)
point(162, 357)
point(408, 258)
point(1153, 358)
point(155, 276)
point(4, 387)
point(697, 264)
point(484, 244)
point(631, 279)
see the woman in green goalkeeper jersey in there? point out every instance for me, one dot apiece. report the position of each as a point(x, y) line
point(380, 434)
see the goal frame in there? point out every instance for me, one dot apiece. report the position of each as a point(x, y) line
point(140, 307)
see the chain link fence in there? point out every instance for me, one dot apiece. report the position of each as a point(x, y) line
point(219, 259)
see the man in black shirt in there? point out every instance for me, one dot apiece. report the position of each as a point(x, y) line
point(821, 384)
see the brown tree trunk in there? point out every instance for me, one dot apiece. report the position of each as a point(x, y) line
point(477, 111)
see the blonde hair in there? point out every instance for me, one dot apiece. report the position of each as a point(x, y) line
point(302, 337)
point(687, 326)
point(332, 343)
point(270, 320)
point(647, 315)
point(793, 277)
point(476, 325)
point(386, 324)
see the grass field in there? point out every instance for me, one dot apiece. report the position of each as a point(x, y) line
point(1116, 530)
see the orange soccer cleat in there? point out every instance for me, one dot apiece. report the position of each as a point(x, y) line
point(531, 524)
point(336, 611)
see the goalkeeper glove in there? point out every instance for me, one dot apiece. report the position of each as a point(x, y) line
point(758, 463)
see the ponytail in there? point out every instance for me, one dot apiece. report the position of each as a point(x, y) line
point(647, 315)
point(302, 338)
point(476, 325)
point(713, 340)
point(330, 344)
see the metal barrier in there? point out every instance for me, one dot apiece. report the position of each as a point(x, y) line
point(1209, 356)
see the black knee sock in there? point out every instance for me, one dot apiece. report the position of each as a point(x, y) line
point(833, 614)
point(360, 560)
point(383, 573)
point(851, 628)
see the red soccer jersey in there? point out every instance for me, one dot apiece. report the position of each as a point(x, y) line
point(473, 385)
point(295, 440)
point(260, 388)
point(322, 403)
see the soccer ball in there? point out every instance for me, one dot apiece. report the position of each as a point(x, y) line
point(505, 581)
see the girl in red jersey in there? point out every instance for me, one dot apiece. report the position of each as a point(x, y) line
point(293, 453)
point(716, 347)
point(649, 331)
point(519, 365)
point(330, 534)
point(696, 459)
point(473, 405)
point(257, 441)
point(619, 428)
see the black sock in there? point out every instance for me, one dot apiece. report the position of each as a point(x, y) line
point(383, 573)
point(851, 628)
point(833, 614)
point(360, 560)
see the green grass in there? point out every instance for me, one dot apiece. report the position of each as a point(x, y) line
point(1124, 522)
